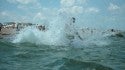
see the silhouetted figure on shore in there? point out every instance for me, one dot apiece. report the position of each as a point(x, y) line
point(73, 19)
point(43, 28)
point(40, 27)
point(0, 26)
point(112, 30)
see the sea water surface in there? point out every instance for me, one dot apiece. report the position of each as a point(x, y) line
point(29, 56)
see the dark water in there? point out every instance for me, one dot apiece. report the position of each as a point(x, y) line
point(27, 56)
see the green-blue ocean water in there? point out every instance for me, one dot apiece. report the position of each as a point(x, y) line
point(28, 56)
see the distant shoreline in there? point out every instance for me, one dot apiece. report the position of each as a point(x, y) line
point(10, 32)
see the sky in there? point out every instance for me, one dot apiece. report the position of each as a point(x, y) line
point(88, 13)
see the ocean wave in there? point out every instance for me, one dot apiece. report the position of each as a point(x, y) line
point(72, 64)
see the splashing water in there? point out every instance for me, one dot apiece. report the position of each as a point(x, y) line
point(53, 36)
point(60, 32)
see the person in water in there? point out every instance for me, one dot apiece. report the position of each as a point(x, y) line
point(73, 21)
point(72, 31)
